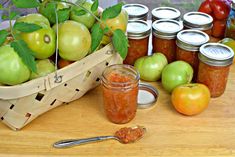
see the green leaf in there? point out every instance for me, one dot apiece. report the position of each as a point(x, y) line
point(79, 12)
point(13, 14)
point(120, 42)
point(63, 15)
point(106, 29)
point(4, 17)
point(26, 27)
point(3, 36)
point(96, 36)
point(1, 6)
point(26, 3)
point(48, 11)
point(26, 54)
point(112, 12)
point(95, 6)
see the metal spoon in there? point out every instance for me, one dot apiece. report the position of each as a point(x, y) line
point(73, 142)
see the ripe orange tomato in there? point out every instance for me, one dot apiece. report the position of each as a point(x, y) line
point(63, 63)
point(190, 99)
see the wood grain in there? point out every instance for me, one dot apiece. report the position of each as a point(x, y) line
point(212, 133)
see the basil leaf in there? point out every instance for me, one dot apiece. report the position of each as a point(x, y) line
point(95, 6)
point(63, 15)
point(26, 3)
point(1, 6)
point(13, 14)
point(26, 54)
point(79, 12)
point(96, 36)
point(120, 42)
point(4, 17)
point(112, 12)
point(3, 36)
point(26, 27)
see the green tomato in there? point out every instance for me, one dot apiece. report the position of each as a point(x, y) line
point(74, 40)
point(42, 42)
point(175, 74)
point(35, 19)
point(87, 19)
point(13, 70)
point(150, 67)
point(44, 67)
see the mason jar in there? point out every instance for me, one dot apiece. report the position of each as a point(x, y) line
point(136, 11)
point(120, 85)
point(198, 20)
point(215, 61)
point(165, 13)
point(188, 43)
point(164, 37)
point(138, 32)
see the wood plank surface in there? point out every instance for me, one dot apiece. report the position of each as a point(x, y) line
point(212, 133)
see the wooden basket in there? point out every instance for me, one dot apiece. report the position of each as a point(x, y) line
point(22, 103)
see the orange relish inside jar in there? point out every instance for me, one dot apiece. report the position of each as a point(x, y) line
point(164, 37)
point(188, 43)
point(215, 60)
point(199, 21)
point(120, 92)
point(138, 32)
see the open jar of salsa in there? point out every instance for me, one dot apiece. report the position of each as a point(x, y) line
point(138, 32)
point(136, 11)
point(198, 20)
point(215, 60)
point(120, 92)
point(164, 37)
point(188, 43)
point(165, 13)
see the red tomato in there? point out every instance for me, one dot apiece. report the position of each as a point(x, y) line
point(190, 99)
point(220, 8)
point(205, 7)
point(218, 29)
point(63, 63)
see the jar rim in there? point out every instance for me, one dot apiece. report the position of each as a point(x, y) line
point(176, 14)
point(139, 16)
point(128, 68)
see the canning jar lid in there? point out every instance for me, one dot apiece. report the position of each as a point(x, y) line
point(216, 54)
point(138, 29)
point(147, 96)
point(198, 20)
point(166, 29)
point(136, 11)
point(165, 13)
point(191, 39)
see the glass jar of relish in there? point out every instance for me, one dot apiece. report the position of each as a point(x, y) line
point(165, 13)
point(136, 11)
point(215, 60)
point(120, 85)
point(188, 43)
point(230, 27)
point(198, 20)
point(164, 37)
point(138, 32)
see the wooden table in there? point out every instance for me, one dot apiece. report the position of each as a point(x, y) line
point(212, 133)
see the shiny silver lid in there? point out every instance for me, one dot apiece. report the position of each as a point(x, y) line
point(191, 39)
point(147, 96)
point(165, 13)
point(216, 54)
point(136, 11)
point(166, 29)
point(198, 20)
point(138, 29)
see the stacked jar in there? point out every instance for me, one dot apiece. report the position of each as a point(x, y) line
point(198, 20)
point(138, 32)
point(164, 37)
point(215, 61)
point(188, 43)
point(136, 11)
point(165, 13)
